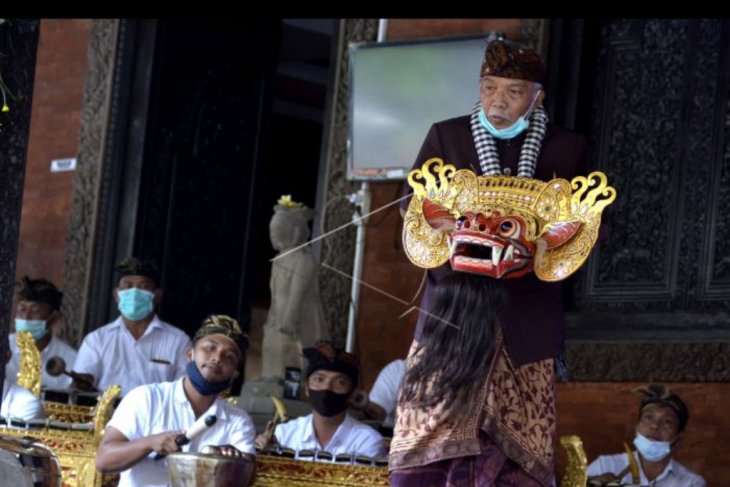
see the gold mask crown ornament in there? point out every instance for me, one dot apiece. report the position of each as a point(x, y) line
point(503, 226)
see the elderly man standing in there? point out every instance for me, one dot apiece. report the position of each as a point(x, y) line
point(463, 418)
point(39, 307)
point(137, 348)
point(507, 133)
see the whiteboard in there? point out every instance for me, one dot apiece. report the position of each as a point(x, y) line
point(397, 90)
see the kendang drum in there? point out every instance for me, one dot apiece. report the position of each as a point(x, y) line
point(209, 469)
point(26, 462)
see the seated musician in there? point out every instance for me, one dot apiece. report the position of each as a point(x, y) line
point(19, 403)
point(39, 307)
point(331, 378)
point(150, 417)
point(662, 419)
point(138, 347)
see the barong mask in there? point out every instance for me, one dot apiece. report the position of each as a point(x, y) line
point(502, 226)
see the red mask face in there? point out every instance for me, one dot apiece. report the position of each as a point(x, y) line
point(496, 246)
point(501, 226)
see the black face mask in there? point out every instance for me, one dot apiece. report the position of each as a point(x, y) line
point(328, 403)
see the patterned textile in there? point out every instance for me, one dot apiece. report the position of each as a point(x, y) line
point(508, 60)
point(132, 266)
point(519, 414)
point(223, 325)
point(514, 407)
point(491, 468)
point(660, 394)
point(324, 356)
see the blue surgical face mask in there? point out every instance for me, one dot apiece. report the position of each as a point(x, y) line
point(136, 304)
point(37, 328)
point(203, 385)
point(653, 451)
point(513, 130)
point(508, 133)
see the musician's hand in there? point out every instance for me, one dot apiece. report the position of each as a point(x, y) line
point(84, 382)
point(261, 441)
point(230, 451)
point(164, 443)
point(267, 437)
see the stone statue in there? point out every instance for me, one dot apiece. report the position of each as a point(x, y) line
point(295, 318)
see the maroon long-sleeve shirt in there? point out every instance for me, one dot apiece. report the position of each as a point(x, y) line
point(533, 319)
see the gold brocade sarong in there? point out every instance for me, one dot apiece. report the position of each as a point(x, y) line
point(514, 407)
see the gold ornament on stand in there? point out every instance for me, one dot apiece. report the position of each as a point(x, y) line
point(29, 372)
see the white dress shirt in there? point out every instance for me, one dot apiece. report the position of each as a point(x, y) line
point(20, 403)
point(674, 474)
point(113, 356)
point(351, 436)
point(156, 408)
point(386, 389)
point(55, 348)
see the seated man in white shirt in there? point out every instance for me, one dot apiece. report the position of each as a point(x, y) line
point(19, 403)
point(662, 419)
point(39, 305)
point(137, 348)
point(384, 394)
point(150, 417)
point(331, 377)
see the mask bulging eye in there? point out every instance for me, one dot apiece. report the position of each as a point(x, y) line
point(507, 228)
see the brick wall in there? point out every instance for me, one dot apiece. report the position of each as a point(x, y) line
point(55, 120)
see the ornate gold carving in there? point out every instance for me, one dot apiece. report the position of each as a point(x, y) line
point(29, 373)
point(543, 205)
point(104, 410)
point(68, 413)
point(274, 471)
point(29, 377)
point(591, 195)
point(76, 449)
point(576, 472)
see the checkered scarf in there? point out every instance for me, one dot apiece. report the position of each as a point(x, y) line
point(487, 147)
